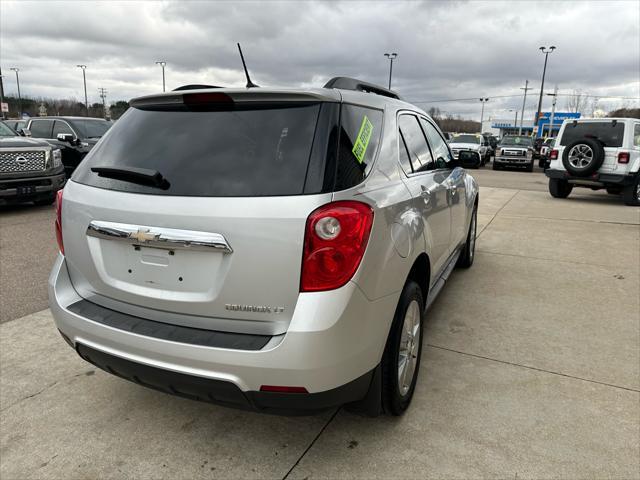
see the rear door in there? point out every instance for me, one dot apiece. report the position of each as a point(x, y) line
point(219, 244)
point(429, 188)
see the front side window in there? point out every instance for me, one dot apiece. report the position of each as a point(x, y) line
point(61, 127)
point(610, 134)
point(416, 143)
point(41, 128)
point(438, 145)
point(91, 128)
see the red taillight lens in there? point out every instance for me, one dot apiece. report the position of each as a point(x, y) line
point(335, 240)
point(553, 155)
point(623, 157)
point(206, 98)
point(280, 389)
point(59, 221)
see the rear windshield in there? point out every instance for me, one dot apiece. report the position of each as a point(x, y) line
point(271, 150)
point(610, 134)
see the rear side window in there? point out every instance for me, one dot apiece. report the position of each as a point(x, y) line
point(41, 128)
point(416, 143)
point(230, 153)
point(610, 134)
point(359, 137)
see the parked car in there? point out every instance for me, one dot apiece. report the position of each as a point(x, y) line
point(471, 142)
point(545, 150)
point(597, 154)
point(492, 140)
point(74, 136)
point(16, 125)
point(278, 257)
point(30, 170)
point(514, 151)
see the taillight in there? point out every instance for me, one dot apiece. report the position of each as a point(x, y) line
point(59, 221)
point(281, 389)
point(553, 155)
point(623, 157)
point(335, 239)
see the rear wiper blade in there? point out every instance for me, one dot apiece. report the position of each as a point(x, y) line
point(141, 176)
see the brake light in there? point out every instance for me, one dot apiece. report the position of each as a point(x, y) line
point(59, 221)
point(553, 155)
point(335, 239)
point(623, 157)
point(206, 98)
point(280, 389)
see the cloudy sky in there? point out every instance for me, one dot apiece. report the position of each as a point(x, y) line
point(446, 50)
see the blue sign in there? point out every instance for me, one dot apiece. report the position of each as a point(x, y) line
point(558, 117)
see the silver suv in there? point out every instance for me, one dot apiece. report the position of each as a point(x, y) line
point(260, 248)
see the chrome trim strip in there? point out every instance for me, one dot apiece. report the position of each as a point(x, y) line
point(158, 237)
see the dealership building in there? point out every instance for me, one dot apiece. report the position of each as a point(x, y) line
point(505, 126)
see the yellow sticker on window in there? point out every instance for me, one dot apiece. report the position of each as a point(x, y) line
point(362, 141)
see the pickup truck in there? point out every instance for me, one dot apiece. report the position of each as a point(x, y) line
point(30, 170)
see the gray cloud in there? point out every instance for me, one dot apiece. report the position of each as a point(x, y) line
point(447, 50)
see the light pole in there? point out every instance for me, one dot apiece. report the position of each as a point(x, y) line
point(524, 101)
point(18, 84)
point(162, 64)
point(553, 109)
point(2, 93)
point(544, 71)
point(391, 57)
point(483, 100)
point(515, 125)
point(84, 79)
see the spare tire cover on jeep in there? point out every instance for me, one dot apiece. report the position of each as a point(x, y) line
point(583, 157)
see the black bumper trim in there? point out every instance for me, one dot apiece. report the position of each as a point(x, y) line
point(226, 393)
point(604, 178)
point(165, 331)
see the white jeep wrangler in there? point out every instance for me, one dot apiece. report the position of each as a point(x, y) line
point(597, 153)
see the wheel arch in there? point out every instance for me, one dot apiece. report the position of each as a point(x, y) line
point(420, 273)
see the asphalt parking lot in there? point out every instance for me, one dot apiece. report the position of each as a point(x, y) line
point(531, 368)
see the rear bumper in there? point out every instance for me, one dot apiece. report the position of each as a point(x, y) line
point(595, 179)
point(334, 342)
point(30, 188)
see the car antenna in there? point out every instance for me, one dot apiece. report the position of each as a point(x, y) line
point(250, 84)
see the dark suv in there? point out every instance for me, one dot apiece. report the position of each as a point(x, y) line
point(74, 136)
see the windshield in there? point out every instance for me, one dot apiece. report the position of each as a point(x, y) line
point(6, 131)
point(466, 139)
point(516, 141)
point(91, 128)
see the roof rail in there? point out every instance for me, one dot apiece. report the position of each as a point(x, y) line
point(193, 86)
point(346, 83)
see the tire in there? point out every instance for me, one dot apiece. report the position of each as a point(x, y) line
point(631, 193)
point(614, 190)
point(469, 250)
point(530, 167)
point(45, 201)
point(559, 188)
point(583, 157)
point(495, 166)
point(397, 394)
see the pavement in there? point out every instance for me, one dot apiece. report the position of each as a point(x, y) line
point(531, 369)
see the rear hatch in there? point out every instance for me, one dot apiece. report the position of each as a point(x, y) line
point(193, 211)
point(608, 132)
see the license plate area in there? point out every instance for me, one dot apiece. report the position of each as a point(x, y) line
point(26, 190)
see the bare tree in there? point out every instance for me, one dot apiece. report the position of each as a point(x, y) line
point(577, 102)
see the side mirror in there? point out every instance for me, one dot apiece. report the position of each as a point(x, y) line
point(65, 137)
point(467, 158)
point(25, 132)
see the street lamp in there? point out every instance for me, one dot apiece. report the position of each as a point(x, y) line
point(391, 57)
point(162, 64)
point(84, 79)
point(18, 83)
point(544, 71)
point(483, 101)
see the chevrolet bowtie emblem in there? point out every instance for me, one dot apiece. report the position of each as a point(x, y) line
point(143, 235)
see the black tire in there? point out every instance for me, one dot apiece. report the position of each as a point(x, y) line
point(559, 188)
point(530, 167)
point(468, 253)
point(495, 166)
point(614, 190)
point(393, 401)
point(45, 201)
point(631, 193)
point(592, 163)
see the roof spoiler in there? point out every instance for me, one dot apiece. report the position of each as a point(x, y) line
point(347, 83)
